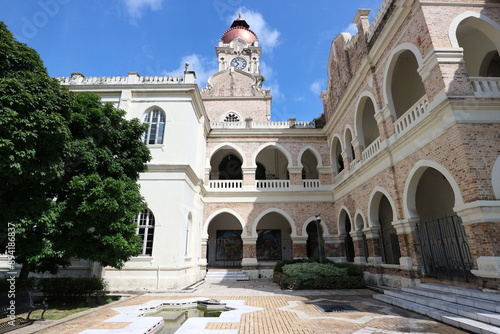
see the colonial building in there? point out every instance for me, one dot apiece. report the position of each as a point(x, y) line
point(400, 175)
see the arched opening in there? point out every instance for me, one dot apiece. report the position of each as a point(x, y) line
point(495, 178)
point(225, 164)
point(443, 243)
point(230, 168)
point(309, 165)
point(313, 243)
point(388, 236)
point(348, 144)
point(225, 247)
point(260, 172)
point(407, 87)
point(274, 242)
point(345, 229)
point(434, 197)
point(366, 123)
point(274, 162)
point(480, 53)
point(337, 160)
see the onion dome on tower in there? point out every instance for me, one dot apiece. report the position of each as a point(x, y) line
point(239, 29)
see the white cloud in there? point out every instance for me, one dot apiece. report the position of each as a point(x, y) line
point(204, 67)
point(268, 36)
point(316, 87)
point(135, 8)
point(352, 29)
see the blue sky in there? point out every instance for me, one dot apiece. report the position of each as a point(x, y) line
point(156, 37)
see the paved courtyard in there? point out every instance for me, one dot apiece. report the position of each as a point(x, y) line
point(275, 311)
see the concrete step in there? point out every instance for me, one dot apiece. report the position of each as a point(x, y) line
point(219, 276)
point(473, 313)
point(469, 309)
point(480, 303)
point(440, 315)
point(494, 297)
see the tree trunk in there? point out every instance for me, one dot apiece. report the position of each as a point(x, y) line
point(23, 277)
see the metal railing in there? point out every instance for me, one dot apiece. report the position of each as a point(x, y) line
point(444, 249)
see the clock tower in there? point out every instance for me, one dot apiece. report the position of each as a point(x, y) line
point(235, 92)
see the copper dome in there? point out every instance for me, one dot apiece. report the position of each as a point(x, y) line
point(239, 29)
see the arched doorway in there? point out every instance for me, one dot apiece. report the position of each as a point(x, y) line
point(273, 241)
point(345, 229)
point(388, 236)
point(443, 243)
point(313, 243)
point(225, 246)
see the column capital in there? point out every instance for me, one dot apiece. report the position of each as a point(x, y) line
point(406, 226)
point(479, 212)
point(372, 232)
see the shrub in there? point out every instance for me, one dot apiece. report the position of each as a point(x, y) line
point(313, 275)
point(309, 271)
point(61, 288)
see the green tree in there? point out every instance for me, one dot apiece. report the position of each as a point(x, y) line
point(68, 169)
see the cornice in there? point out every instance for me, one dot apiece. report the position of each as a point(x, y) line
point(170, 168)
point(455, 4)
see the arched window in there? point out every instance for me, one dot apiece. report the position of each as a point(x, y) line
point(145, 229)
point(232, 117)
point(155, 120)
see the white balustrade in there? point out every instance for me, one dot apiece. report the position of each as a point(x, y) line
point(273, 184)
point(486, 87)
point(312, 183)
point(128, 80)
point(414, 115)
point(340, 176)
point(371, 150)
point(227, 125)
point(225, 184)
point(263, 125)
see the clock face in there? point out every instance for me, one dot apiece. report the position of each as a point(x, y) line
point(239, 63)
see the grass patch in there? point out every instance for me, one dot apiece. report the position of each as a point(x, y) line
point(61, 309)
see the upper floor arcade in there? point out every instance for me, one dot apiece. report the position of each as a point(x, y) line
point(399, 88)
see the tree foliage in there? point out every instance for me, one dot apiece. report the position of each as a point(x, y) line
point(68, 168)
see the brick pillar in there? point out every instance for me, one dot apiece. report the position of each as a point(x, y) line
point(482, 228)
point(334, 248)
point(326, 175)
point(249, 252)
point(359, 252)
point(347, 161)
point(299, 247)
point(295, 176)
point(408, 242)
point(248, 177)
point(373, 241)
point(357, 149)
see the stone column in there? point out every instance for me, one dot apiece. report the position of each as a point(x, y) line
point(249, 252)
point(299, 247)
point(481, 221)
